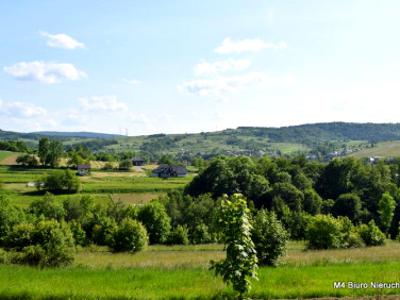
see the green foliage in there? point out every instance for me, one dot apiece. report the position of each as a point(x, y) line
point(27, 160)
point(240, 263)
point(324, 232)
point(47, 207)
point(269, 238)
point(178, 236)
point(386, 207)
point(102, 229)
point(371, 234)
point(9, 217)
point(80, 209)
point(348, 205)
point(130, 236)
point(156, 220)
point(78, 233)
point(61, 182)
point(50, 152)
point(125, 165)
point(201, 235)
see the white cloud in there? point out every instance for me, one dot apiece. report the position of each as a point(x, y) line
point(17, 109)
point(61, 40)
point(142, 119)
point(230, 46)
point(220, 86)
point(45, 72)
point(207, 68)
point(103, 103)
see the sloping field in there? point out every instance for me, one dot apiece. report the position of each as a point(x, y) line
point(8, 158)
point(384, 149)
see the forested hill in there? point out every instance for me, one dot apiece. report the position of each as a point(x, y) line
point(320, 138)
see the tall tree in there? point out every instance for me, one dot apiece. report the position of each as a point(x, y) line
point(55, 153)
point(386, 207)
point(43, 152)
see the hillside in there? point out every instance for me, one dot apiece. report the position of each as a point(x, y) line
point(320, 138)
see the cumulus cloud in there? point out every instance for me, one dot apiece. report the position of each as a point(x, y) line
point(230, 46)
point(44, 72)
point(207, 68)
point(61, 40)
point(103, 103)
point(18, 109)
point(220, 86)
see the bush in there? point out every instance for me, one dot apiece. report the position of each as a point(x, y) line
point(61, 182)
point(371, 234)
point(47, 207)
point(27, 160)
point(269, 238)
point(9, 216)
point(130, 236)
point(78, 233)
point(178, 236)
point(201, 235)
point(100, 229)
point(79, 209)
point(125, 165)
point(4, 257)
point(20, 236)
point(158, 224)
point(348, 205)
point(350, 236)
point(323, 232)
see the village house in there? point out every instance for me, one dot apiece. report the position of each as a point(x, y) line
point(166, 171)
point(137, 161)
point(83, 169)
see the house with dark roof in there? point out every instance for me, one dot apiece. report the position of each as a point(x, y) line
point(138, 161)
point(83, 169)
point(166, 171)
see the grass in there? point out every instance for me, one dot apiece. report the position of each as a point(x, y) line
point(384, 149)
point(18, 282)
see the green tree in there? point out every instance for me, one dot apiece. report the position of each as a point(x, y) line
point(130, 236)
point(61, 182)
point(156, 220)
point(269, 238)
point(240, 263)
point(47, 207)
point(348, 205)
point(27, 160)
point(55, 153)
point(323, 232)
point(43, 152)
point(125, 165)
point(371, 234)
point(386, 207)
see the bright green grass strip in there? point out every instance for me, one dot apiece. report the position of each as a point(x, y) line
point(17, 282)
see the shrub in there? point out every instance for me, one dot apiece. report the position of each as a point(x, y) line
point(9, 216)
point(371, 234)
point(200, 235)
point(78, 233)
point(158, 224)
point(79, 209)
point(350, 236)
point(178, 236)
point(130, 236)
point(20, 236)
point(61, 182)
point(323, 232)
point(4, 257)
point(102, 230)
point(47, 207)
point(56, 241)
point(27, 160)
point(348, 205)
point(269, 238)
point(125, 165)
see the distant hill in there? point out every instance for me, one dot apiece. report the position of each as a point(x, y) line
point(320, 138)
point(81, 134)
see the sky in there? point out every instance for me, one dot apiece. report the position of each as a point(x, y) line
point(145, 67)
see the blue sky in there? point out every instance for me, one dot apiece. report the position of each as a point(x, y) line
point(141, 67)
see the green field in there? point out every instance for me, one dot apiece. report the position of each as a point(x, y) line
point(128, 187)
point(181, 272)
point(384, 149)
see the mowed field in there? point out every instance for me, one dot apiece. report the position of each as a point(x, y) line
point(181, 272)
point(8, 158)
point(384, 149)
point(130, 187)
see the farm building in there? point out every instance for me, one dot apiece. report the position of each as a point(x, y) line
point(83, 169)
point(137, 161)
point(165, 171)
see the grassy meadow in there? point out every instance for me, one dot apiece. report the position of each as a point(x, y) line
point(181, 272)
